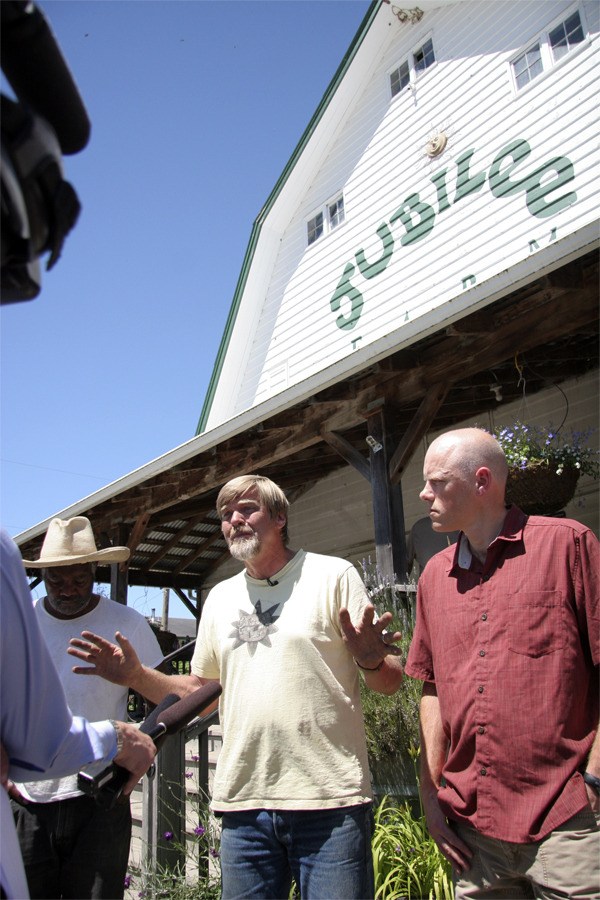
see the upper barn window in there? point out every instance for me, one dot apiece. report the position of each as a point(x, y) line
point(548, 49)
point(409, 70)
point(325, 220)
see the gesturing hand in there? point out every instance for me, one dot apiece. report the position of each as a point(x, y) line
point(118, 664)
point(368, 641)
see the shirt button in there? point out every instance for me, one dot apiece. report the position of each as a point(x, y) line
point(480, 689)
point(484, 617)
point(481, 730)
point(482, 652)
point(483, 771)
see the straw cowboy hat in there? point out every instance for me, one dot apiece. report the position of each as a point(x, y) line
point(70, 542)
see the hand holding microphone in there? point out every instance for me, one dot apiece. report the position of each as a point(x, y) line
point(106, 783)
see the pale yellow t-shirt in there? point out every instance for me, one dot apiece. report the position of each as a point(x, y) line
point(293, 731)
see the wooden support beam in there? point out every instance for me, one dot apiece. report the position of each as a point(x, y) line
point(138, 531)
point(348, 452)
point(419, 426)
point(388, 512)
point(119, 571)
point(187, 602)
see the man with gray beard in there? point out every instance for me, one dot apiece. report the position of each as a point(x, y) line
point(286, 637)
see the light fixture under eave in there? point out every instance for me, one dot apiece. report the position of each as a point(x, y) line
point(408, 15)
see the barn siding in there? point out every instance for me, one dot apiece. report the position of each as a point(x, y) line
point(377, 160)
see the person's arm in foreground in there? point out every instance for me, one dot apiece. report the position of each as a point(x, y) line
point(371, 647)
point(434, 746)
point(120, 664)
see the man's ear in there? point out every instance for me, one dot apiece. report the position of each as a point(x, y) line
point(483, 479)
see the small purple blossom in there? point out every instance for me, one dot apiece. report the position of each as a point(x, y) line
point(168, 835)
point(199, 830)
point(214, 853)
point(189, 774)
point(195, 758)
point(127, 882)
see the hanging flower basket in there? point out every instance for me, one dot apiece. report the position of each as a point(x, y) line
point(544, 464)
point(539, 489)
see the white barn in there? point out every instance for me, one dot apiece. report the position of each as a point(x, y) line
point(428, 257)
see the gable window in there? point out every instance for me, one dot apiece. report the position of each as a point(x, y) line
point(325, 220)
point(528, 66)
point(424, 56)
point(399, 78)
point(419, 60)
point(550, 47)
point(566, 36)
point(336, 212)
point(315, 228)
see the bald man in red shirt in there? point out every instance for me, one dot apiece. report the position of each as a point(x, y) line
point(507, 645)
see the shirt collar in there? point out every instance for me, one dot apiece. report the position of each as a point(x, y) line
point(512, 530)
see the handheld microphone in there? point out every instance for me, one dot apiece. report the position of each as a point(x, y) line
point(105, 783)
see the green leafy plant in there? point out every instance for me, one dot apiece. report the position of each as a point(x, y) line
point(526, 446)
point(407, 862)
point(392, 721)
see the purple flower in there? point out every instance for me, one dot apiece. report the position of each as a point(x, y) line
point(168, 835)
point(127, 882)
point(214, 853)
point(199, 830)
point(189, 774)
point(195, 758)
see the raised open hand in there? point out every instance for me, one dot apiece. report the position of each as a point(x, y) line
point(118, 663)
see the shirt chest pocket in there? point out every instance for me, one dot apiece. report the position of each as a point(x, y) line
point(536, 622)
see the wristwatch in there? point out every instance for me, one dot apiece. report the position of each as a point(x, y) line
point(592, 780)
point(119, 736)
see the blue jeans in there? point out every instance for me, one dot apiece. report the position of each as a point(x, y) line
point(73, 848)
point(326, 851)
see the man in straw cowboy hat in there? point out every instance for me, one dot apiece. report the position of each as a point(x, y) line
point(71, 846)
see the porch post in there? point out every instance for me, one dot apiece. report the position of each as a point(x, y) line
point(388, 510)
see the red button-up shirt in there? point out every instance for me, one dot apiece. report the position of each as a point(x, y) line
point(512, 645)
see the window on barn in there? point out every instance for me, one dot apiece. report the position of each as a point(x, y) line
point(336, 212)
point(528, 66)
point(315, 228)
point(409, 70)
point(325, 220)
point(550, 47)
point(424, 56)
point(566, 36)
point(399, 78)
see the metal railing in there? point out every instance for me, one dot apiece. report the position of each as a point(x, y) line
point(164, 794)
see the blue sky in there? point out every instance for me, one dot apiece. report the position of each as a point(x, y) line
point(196, 106)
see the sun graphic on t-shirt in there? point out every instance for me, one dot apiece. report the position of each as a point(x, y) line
point(254, 628)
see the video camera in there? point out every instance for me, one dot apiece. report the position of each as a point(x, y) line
point(47, 119)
